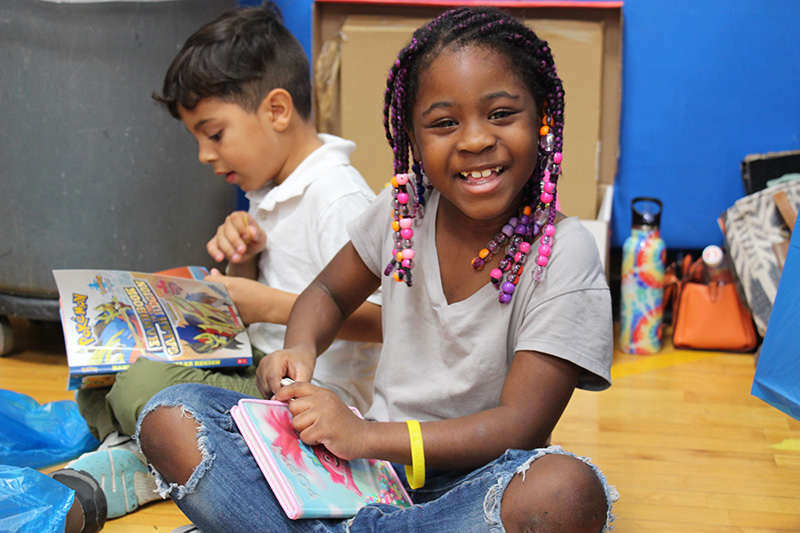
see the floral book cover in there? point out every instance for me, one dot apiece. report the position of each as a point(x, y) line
point(309, 481)
point(110, 318)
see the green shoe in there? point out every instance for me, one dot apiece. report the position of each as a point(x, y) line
point(125, 480)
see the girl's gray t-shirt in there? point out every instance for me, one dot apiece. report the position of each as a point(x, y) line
point(441, 360)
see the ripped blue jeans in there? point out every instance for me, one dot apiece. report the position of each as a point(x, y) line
point(227, 492)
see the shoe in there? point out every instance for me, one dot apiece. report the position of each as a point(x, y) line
point(124, 479)
point(89, 494)
point(125, 442)
point(191, 528)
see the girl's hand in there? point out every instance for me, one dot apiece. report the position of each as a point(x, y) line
point(238, 239)
point(321, 417)
point(295, 363)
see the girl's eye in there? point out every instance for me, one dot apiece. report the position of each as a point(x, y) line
point(443, 123)
point(502, 113)
point(216, 137)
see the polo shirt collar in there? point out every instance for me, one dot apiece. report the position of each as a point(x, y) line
point(334, 151)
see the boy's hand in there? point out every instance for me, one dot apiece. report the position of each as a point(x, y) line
point(321, 417)
point(294, 363)
point(246, 295)
point(238, 239)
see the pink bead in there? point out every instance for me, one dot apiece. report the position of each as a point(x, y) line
point(406, 223)
point(408, 253)
point(549, 230)
point(496, 273)
point(541, 261)
point(524, 247)
point(402, 198)
point(546, 175)
point(545, 197)
point(549, 187)
point(406, 263)
point(406, 233)
point(557, 157)
point(402, 179)
point(544, 250)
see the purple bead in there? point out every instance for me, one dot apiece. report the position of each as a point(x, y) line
point(504, 298)
point(508, 287)
point(521, 229)
point(493, 247)
point(508, 230)
point(525, 219)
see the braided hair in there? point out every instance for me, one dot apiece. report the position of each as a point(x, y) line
point(491, 28)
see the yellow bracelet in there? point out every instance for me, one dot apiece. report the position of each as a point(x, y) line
point(416, 472)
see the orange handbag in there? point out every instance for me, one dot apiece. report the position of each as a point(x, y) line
point(709, 316)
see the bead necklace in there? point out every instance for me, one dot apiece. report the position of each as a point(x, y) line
point(535, 219)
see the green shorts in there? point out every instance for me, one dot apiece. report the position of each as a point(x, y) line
point(117, 408)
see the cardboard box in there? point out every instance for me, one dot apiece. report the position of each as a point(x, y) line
point(355, 43)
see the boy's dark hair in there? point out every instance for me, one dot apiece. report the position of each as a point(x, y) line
point(239, 57)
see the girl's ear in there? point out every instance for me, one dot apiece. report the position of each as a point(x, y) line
point(277, 109)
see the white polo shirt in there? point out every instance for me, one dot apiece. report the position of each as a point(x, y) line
point(305, 219)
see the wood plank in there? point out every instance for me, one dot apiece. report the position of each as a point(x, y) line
point(678, 433)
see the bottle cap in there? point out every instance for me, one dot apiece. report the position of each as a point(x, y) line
point(646, 211)
point(712, 255)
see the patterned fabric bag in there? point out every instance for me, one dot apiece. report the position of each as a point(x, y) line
point(756, 231)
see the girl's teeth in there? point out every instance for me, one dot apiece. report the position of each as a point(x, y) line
point(475, 174)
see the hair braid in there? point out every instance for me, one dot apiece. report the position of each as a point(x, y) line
point(491, 28)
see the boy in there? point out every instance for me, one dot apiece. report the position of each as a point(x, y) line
point(241, 86)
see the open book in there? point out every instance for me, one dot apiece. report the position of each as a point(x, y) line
point(111, 317)
point(309, 481)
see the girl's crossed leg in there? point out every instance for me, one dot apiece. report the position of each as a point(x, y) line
point(201, 460)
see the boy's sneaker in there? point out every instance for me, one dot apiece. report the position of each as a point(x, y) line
point(115, 440)
point(123, 477)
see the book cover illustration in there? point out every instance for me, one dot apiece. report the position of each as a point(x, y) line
point(309, 481)
point(111, 318)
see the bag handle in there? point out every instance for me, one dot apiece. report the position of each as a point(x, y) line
point(785, 208)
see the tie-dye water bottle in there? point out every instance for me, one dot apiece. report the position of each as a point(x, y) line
point(642, 301)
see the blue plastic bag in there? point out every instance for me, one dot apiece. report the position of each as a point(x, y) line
point(32, 502)
point(39, 435)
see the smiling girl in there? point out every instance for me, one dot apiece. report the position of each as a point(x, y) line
point(501, 311)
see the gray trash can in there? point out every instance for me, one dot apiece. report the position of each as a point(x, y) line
point(93, 173)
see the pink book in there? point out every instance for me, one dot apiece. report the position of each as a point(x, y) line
point(309, 481)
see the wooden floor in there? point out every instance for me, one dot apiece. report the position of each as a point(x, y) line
point(679, 434)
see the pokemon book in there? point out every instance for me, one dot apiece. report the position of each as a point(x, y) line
point(111, 318)
point(309, 481)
